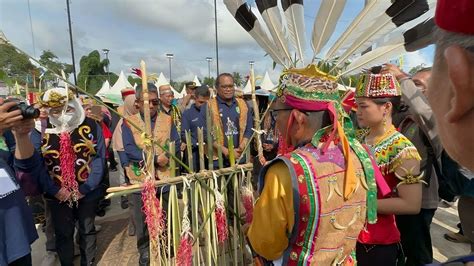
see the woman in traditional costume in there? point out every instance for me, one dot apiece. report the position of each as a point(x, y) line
point(378, 97)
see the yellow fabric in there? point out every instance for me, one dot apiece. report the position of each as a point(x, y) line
point(350, 182)
point(273, 215)
point(161, 134)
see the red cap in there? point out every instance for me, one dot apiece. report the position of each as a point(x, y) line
point(455, 16)
point(126, 92)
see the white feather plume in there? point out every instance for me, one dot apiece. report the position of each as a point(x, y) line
point(325, 23)
point(258, 32)
point(273, 20)
point(359, 24)
point(296, 28)
point(381, 26)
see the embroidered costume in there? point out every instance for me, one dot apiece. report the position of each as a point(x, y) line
point(390, 151)
point(313, 200)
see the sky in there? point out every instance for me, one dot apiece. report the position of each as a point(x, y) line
point(148, 29)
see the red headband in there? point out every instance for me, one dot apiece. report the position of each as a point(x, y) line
point(127, 92)
point(455, 16)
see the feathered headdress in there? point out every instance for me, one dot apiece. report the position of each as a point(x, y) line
point(381, 31)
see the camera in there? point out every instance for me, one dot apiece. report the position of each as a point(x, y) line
point(27, 111)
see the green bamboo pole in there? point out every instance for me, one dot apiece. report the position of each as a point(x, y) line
point(201, 148)
point(189, 149)
point(210, 140)
point(172, 148)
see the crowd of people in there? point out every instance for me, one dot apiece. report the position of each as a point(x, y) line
point(338, 183)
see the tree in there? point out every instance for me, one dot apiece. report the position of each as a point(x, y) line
point(237, 79)
point(209, 81)
point(50, 61)
point(17, 66)
point(92, 72)
point(416, 69)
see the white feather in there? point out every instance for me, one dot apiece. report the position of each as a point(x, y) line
point(397, 35)
point(296, 28)
point(382, 25)
point(325, 23)
point(359, 24)
point(273, 20)
point(258, 33)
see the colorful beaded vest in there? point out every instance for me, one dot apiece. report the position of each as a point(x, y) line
point(326, 224)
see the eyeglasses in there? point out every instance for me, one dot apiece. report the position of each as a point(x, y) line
point(273, 112)
point(155, 102)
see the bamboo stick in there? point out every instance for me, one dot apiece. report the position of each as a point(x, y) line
point(189, 149)
point(149, 151)
point(205, 174)
point(201, 148)
point(210, 141)
point(172, 148)
point(256, 114)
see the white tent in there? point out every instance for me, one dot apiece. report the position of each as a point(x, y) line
point(122, 83)
point(179, 95)
point(104, 89)
point(267, 83)
point(196, 80)
point(248, 88)
point(161, 80)
point(114, 94)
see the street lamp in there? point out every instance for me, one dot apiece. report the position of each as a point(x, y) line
point(170, 56)
point(209, 60)
point(106, 53)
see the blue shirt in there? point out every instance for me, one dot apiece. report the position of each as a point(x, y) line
point(96, 166)
point(15, 214)
point(191, 121)
point(230, 111)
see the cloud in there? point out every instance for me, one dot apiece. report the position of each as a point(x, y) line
point(420, 57)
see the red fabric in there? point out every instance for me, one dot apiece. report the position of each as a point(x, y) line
point(125, 93)
point(385, 231)
point(455, 16)
point(106, 131)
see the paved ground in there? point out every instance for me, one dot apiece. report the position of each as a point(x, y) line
point(444, 221)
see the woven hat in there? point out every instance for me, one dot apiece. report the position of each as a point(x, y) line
point(378, 86)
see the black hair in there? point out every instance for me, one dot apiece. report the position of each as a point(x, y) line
point(396, 102)
point(202, 91)
point(151, 89)
point(223, 75)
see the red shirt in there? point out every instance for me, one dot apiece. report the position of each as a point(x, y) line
point(385, 231)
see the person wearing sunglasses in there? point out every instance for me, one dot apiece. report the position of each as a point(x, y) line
point(163, 131)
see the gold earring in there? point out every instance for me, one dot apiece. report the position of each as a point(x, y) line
point(384, 121)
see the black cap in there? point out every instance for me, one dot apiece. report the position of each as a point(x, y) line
point(191, 85)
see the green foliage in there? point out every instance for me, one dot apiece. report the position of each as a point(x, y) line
point(49, 60)
point(237, 79)
point(92, 72)
point(17, 66)
point(414, 70)
point(209, 81)
point(134, 79)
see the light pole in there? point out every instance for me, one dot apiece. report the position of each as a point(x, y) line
point(209, 60)
point(106, 52)
point(170, 57)
point(71, 42)
point(217, 38)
